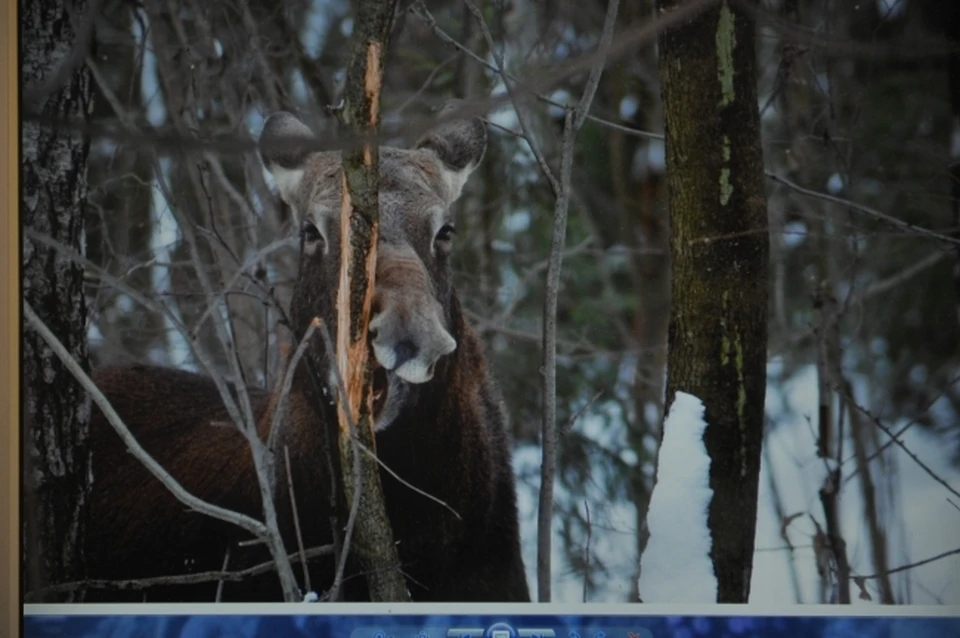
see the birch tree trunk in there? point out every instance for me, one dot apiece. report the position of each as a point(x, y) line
point(57, 468)
point(719, 246)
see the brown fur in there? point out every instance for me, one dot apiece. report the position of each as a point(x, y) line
point(448, 437)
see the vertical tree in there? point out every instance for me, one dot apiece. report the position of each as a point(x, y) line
point(717, 339)
point(57, 471)
point(360, 217)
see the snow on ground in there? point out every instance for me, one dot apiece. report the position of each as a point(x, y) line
point(925, 525)
point(676, 566)
point(612, 542)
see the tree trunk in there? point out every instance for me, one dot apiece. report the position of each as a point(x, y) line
point(719, 252)
point(57, 469)
point(360, 216)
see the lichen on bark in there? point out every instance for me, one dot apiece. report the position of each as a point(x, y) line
point(719, 252)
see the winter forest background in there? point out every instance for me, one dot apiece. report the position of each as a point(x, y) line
point(862, 312)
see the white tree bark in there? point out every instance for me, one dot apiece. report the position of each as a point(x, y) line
point(57, 470)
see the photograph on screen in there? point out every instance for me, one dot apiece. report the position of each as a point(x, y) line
point(506, 301)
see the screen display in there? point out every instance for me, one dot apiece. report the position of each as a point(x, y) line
point(44, 622)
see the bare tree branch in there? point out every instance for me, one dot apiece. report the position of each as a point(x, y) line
point(895, 438)
point(865, 210)
point(296, 519)
point(573, 120)
point(181, 579)
point(251, 525)
point(902, 568)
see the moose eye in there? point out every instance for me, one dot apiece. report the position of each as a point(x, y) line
point(310, 236)
point(309, 232)
point(445, 233)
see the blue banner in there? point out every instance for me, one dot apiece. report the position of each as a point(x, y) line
point(304, 625)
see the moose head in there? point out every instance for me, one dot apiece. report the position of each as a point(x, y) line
point(410, 326)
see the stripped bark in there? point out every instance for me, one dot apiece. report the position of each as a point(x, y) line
point(359, 218)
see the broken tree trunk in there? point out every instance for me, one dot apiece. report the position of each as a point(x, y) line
point(359, 218)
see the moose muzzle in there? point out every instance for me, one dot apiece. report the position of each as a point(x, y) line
point(407, 328)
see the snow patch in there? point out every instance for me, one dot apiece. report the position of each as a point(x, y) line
point(676, 565)
point(628, 107)
point(835, 184)
point(794, 234)
point(891, 9)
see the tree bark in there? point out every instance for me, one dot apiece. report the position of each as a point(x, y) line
point(57, 468)
point(360, 215)
point(719, 248)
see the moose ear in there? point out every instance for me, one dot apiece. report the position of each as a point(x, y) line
point(285, 145)
point(460, 145)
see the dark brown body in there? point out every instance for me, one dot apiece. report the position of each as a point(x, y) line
point(449, 441)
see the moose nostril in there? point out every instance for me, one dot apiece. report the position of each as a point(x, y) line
point(404, 351)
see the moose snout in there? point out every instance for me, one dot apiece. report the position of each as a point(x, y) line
point(409, 343)
point(404, 351)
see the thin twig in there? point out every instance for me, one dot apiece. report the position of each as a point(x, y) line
point(251, 525)
point(291, 371)
point(586, 553)
point(885, 285)
point(900, 432)
point(865, 210)
point(573, 120)
point(548, 369)
point(270, 536)
point(593, 80)
point(420, 10)
point(403, 482)
point(426, 83)
point(220, 582)
point(576, 415)
point(895, 439)
point(296, 520)
point(919, 563)
point(229, 404)
point(521, 119)
point(263, 459)
point(180, 579)
point(878, 541)
point(781, 514)
point(258, 257)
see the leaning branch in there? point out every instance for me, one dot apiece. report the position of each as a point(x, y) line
point(903, 568)
point(253, 526)
point(181, 579)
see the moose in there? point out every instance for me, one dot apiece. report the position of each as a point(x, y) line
point(439, 420)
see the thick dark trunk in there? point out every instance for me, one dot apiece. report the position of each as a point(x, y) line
point(57, 470)
point(719, 253)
